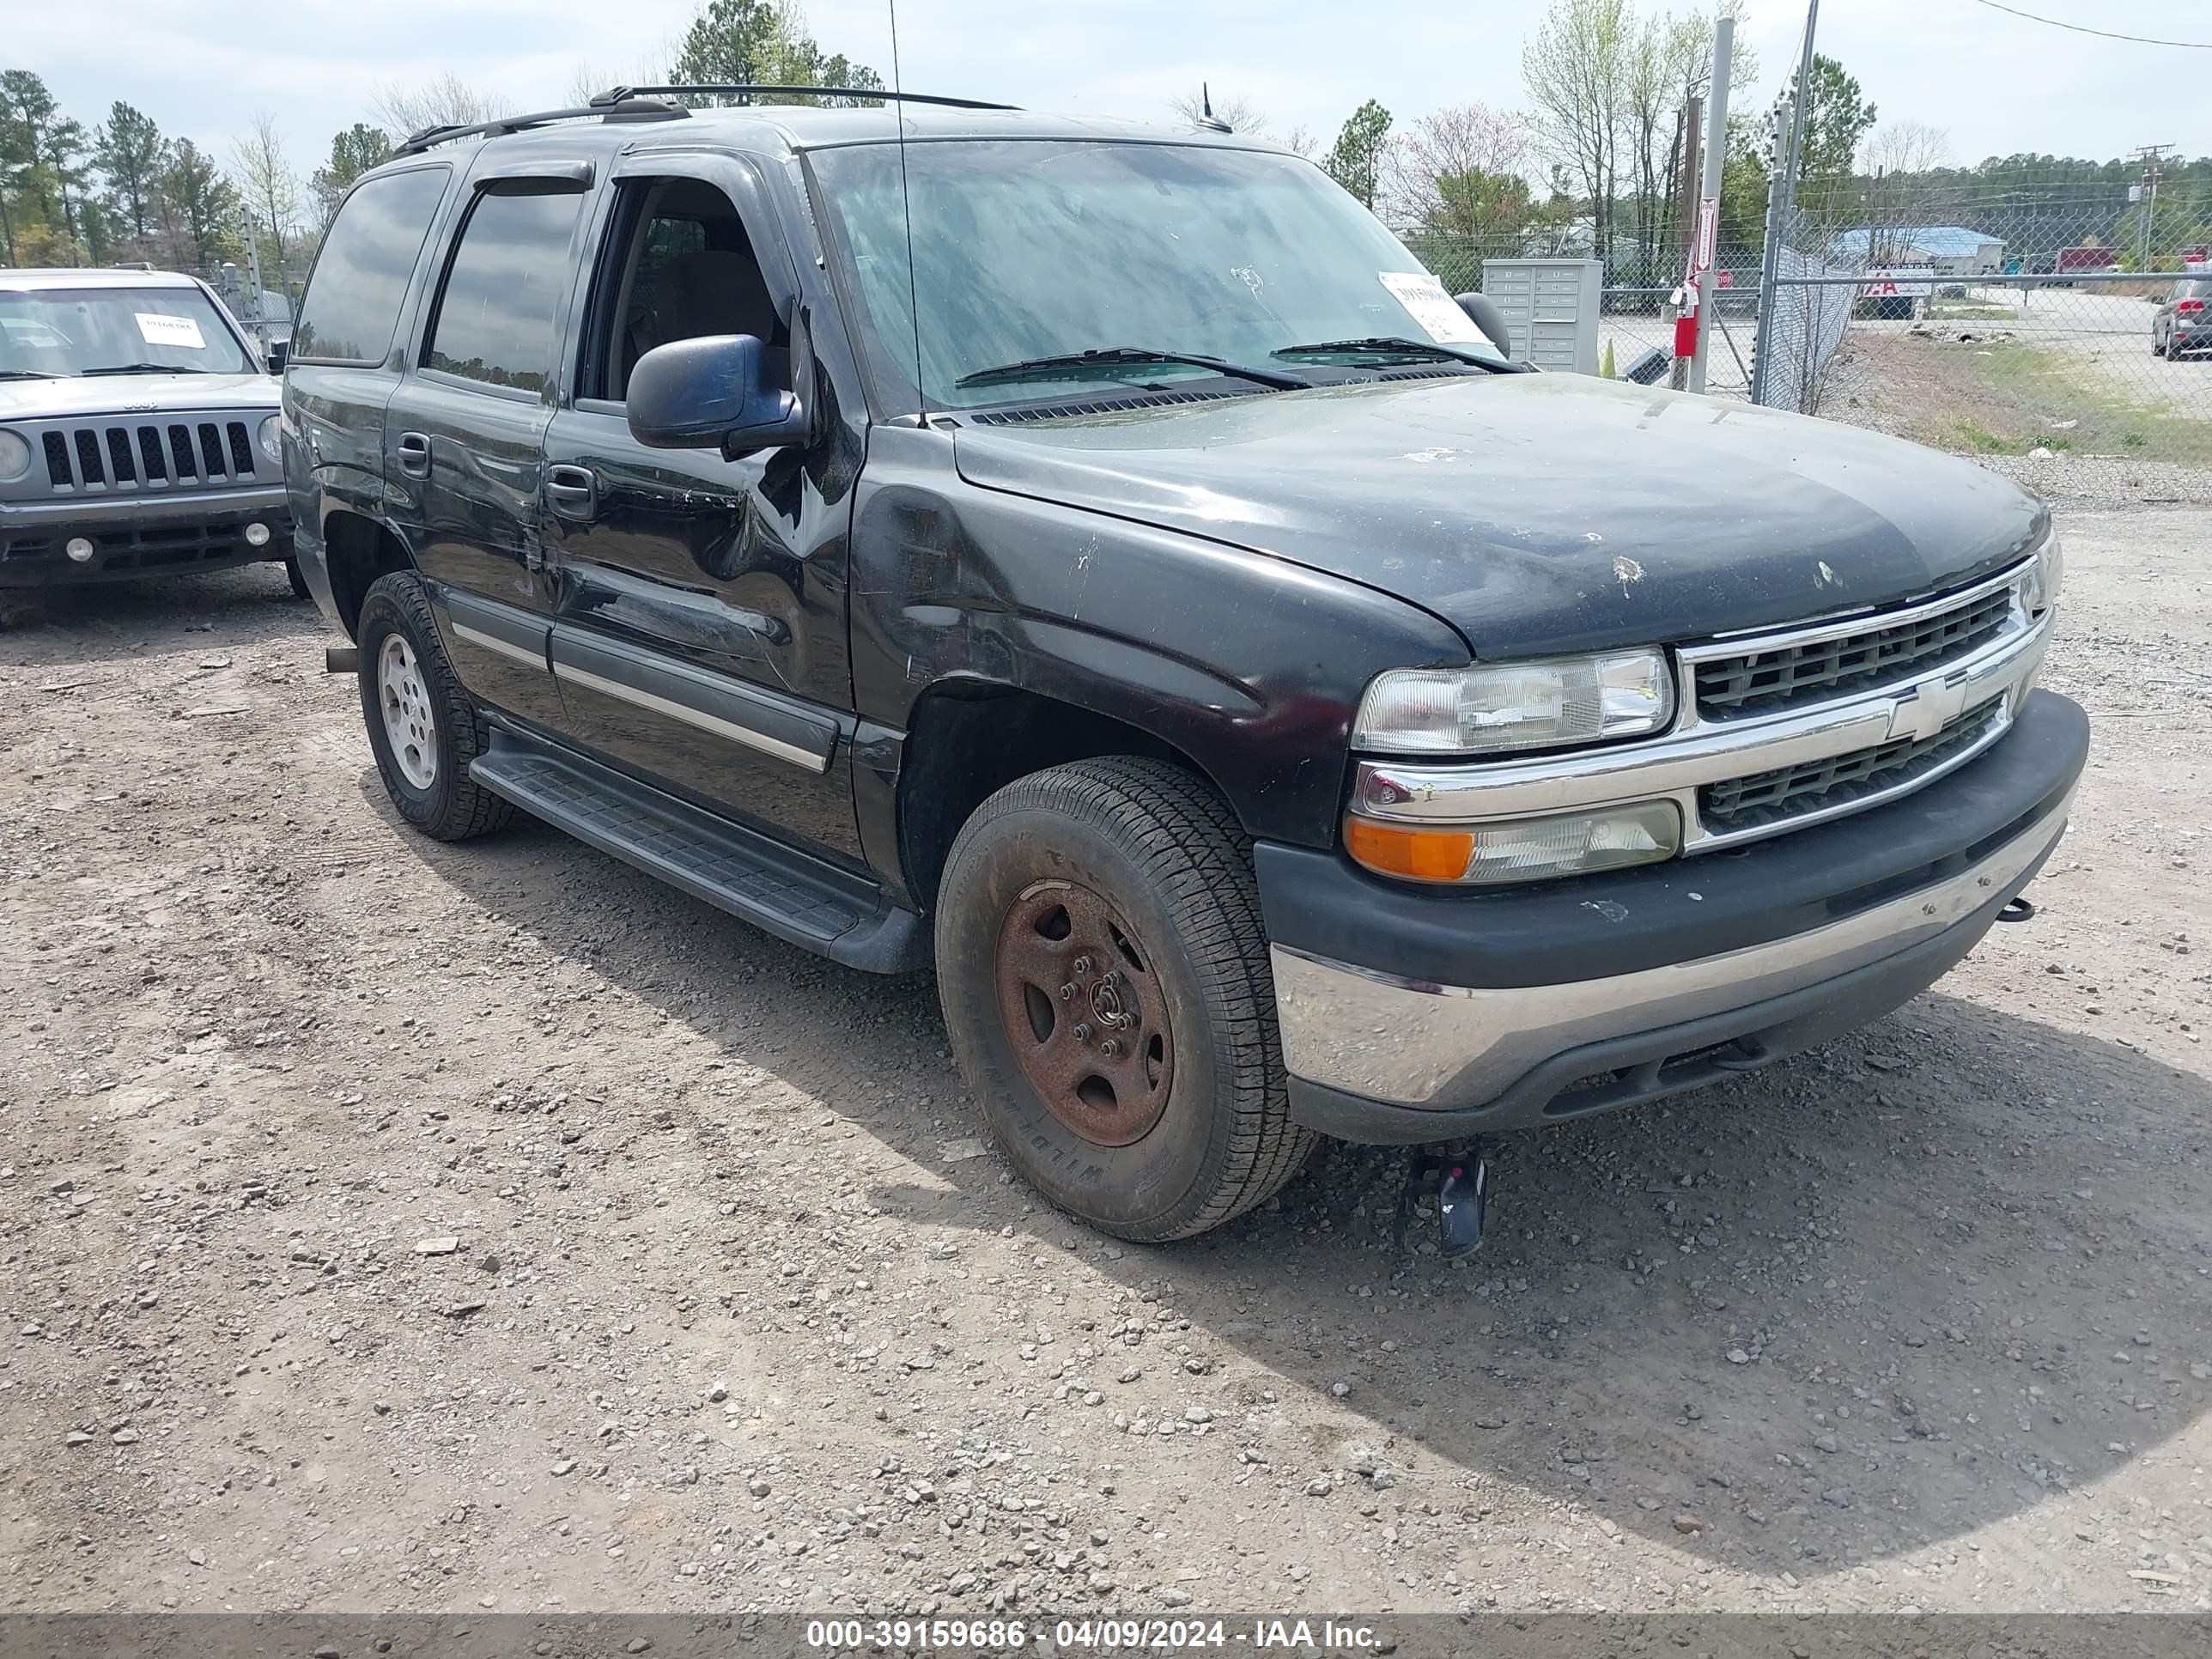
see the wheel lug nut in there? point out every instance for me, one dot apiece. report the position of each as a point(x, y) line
point(1110, 1047)
point(1113, 976)
point(1082, 964)
point(1067, 992)
point(1083, 1033)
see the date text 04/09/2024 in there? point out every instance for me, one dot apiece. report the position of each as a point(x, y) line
point(1100, 1635)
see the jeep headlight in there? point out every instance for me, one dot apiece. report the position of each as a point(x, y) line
point(1512, 706)
point(272, 439)
point(2046, 573)
point(15, 456)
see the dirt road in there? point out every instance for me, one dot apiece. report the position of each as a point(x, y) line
point(390, 1225)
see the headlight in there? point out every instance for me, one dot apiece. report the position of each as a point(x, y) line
point(14, 456)
point(2038, 589)
point(272, 439)
point(1515, 706)
point(1520, 849)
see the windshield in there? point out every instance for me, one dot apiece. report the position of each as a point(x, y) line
point(91, 331)
point(1037, 250)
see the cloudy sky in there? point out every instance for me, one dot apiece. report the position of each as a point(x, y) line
point(204, 67)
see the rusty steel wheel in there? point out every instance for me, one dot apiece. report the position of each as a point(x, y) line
point(1103, 967)
point(1086, 1016)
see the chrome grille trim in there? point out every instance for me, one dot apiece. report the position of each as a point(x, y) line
point(1841, 631)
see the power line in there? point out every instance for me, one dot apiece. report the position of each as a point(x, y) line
point(2083, 28)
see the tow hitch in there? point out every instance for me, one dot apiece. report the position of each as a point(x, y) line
point(1462, 1187)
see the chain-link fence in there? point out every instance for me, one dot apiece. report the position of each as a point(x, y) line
point(2020, 306)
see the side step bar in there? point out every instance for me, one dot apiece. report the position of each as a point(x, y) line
point(753, 877)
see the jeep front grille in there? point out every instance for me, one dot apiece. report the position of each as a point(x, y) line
point(1759, 682)
point(148, 457)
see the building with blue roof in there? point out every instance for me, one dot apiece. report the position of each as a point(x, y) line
point(1954, 249)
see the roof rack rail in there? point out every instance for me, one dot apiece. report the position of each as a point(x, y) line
point(882, 94)
point(624, 108)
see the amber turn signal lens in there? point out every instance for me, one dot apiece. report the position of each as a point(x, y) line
point(1423, 854)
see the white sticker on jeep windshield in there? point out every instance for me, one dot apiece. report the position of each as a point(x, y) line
point(157, 330)
point(1435, 311)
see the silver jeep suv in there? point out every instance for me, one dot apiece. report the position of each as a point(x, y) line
point(138, 431)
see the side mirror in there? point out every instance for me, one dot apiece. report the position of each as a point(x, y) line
point(711, 393)
point(280, 353)
point(1482, 311)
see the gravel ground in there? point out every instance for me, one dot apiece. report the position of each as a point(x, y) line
point(386, 1226)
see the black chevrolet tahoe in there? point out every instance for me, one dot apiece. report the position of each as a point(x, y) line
point(1101, 564)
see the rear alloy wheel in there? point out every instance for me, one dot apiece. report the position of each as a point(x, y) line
point(421, 724)
point(1104, 974)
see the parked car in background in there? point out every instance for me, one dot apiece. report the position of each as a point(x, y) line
point(138, 431)
point(2184, 322)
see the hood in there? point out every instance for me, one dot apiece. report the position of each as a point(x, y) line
point(134, 394)
point(1539, 512)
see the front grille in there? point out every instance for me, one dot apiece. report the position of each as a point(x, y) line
point(1762, 682)
point(126, 458)
point(1792, 791)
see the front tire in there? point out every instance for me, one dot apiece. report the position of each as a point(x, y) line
point(1103, 968)
point(421, 724)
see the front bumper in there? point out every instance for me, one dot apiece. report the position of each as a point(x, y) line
point(1415, 1015)
point(139, 536)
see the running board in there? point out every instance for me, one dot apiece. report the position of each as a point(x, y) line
point(754, 877)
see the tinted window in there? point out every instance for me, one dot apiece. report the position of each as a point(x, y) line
point(353, 300)
point(679, 265)
point(2192, 290)
point(494, 320)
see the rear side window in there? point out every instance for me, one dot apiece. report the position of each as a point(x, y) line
point(2192, 290)
point(353, 300)
point(504, 288)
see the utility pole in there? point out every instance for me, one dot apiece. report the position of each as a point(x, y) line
point(1710, 190)
point(2152, 157)
point(1686, 216)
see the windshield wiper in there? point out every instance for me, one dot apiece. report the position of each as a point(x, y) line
point(140, 368)
point(1392, 346)
point(1078, 362)
point(26, 374)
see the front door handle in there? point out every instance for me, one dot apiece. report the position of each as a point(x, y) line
point(414, 454)
point(572, 492)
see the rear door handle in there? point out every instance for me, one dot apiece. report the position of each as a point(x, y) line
point(414, 454)
point(572, 491)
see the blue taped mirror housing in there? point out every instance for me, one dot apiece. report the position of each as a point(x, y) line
point(710, 393)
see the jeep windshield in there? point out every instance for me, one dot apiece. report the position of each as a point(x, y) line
point(1027, 252)
point(64, 333)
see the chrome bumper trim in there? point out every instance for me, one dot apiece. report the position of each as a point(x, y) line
point(1675, 767)
point(1408, 1043)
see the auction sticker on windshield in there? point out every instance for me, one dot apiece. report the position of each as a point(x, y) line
point(1435, 311)
point(157, 330)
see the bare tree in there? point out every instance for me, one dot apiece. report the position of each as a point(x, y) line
point(1238, 114)
point(267, 186)
point(1905, 147)
point(1456, 169)
point(443, 101)
point(1577, 67)
point(1302, 140)
point(1901, 196)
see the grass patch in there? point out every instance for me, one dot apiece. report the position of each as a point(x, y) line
point(2003, 397)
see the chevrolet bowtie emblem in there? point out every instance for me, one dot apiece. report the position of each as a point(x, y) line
point(1927, 708)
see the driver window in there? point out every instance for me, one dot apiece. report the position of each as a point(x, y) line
point(684, 267)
